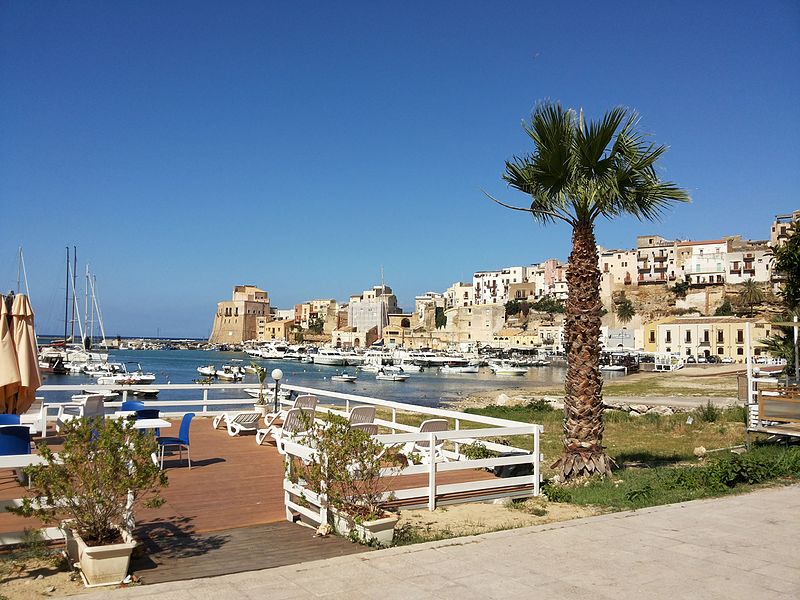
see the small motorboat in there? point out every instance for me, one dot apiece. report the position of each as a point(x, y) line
point(459, 369)
point(207, 371)
point(505, 369)
point(384, 376)
point(228, 373)
point(144, 393)
point(344, 378)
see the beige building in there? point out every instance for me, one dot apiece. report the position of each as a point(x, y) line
point(459, 294)
point(475, 324)
point(276, 330)
point(522, 291)
point(349, 337)
point(656, 260)
point(617, 269)
point(781, 228)
point(491, 287)
point(372, 308)
point(516, 338)
point(705, 336)
point(325, 310)
point(236, 320)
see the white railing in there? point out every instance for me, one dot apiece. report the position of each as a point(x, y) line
point(430, 495)
point(313, 505)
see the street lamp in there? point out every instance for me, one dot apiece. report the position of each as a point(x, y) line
point(277, 375)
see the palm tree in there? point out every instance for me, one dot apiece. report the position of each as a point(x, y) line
point(751, 294)
point(578, 172)
point(625, 310)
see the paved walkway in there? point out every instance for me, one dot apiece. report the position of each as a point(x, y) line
point(737, 547)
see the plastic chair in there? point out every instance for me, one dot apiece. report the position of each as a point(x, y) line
point(362, 414)
point(149, 413)
point(15, 439)
point(133, 405)
point(6, 419)
point(180, 441)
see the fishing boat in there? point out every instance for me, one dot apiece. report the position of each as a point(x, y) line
point(344, 377)
point(207, 371)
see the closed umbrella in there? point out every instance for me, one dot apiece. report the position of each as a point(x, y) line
point(27, 354)
point(9, 370)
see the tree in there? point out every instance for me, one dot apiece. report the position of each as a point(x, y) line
point(549, 305)
point(440, 319)
point(680, 289)
point(724, 310)
point(316, 325)
point(578, 172)
point(751, 294)
point(624, 309)
point(787, 264)
point(512, 308)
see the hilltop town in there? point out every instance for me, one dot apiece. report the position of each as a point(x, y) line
point(684, 296)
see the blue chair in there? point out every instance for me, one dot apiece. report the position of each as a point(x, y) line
point(149, 413)
point(15, 439)
point(132, 405)
point(180, 441)
point(6, 419)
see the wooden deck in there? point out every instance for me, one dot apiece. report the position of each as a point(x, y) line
point(224, 515)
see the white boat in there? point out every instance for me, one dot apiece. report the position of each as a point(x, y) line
point(506, 369)
point(459, 369)
point(228, 373)
point(410, 367)
point(330, 356)
point(344, 378)
point(207, 371)
point(384, 376)
point(612, 368)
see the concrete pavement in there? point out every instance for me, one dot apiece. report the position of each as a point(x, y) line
point(742, 546)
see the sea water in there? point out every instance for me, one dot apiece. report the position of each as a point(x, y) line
point(428, 388)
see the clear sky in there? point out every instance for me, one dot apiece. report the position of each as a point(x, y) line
point(186, 147)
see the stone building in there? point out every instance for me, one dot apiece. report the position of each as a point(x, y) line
point(236, 320)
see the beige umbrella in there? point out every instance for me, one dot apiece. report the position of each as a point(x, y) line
point(27, 354)
point(9, 370)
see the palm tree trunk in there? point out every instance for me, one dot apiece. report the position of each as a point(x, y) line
point(583, 403)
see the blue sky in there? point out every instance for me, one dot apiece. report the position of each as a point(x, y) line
point(185, 147)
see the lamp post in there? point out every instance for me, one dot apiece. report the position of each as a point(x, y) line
point(277, 375)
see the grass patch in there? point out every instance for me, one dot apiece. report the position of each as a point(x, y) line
point(652, 439)
point(638, 488)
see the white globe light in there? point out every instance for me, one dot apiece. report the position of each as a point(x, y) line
point(277, 374)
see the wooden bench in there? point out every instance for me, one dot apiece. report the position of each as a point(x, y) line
point(779, 412)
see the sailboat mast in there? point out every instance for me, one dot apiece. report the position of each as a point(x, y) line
point(86, 308)
point(74, 298)
point(66, 301)
point(96, 310)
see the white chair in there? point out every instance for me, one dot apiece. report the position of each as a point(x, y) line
point(238, 423)
point(362, 414)
point(305, 402)
point(295, 425)
point(423, 448)
point(368, 428)
point(88, 406)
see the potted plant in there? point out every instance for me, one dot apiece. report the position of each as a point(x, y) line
point(91, 488)
point(261, 405)
point(348, 467)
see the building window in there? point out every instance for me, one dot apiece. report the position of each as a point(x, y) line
point(688, 336)
point(652, 336)
point(720, 350)
point(740, 336)
point(705, 337)
point(720, 337)
point(668, 339)
point(740, 351)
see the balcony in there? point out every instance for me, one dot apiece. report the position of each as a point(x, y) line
point(660, 258)
point(644, 268)
point(660, 268)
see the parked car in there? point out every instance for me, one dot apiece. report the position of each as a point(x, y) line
point(726, 360)
point(701, 358)
point(691, 359)
point(713, 359)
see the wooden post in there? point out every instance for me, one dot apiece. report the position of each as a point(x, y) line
point(537, 460)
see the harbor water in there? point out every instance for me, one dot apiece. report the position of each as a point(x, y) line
point(428, 388)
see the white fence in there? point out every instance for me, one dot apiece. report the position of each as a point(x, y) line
point(473, 484)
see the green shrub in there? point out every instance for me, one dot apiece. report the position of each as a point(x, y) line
point(476, 451)
point(707, 413)
point(557, 493)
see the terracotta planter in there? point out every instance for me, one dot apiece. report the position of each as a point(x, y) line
point(377, 531)
point(100, 565)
